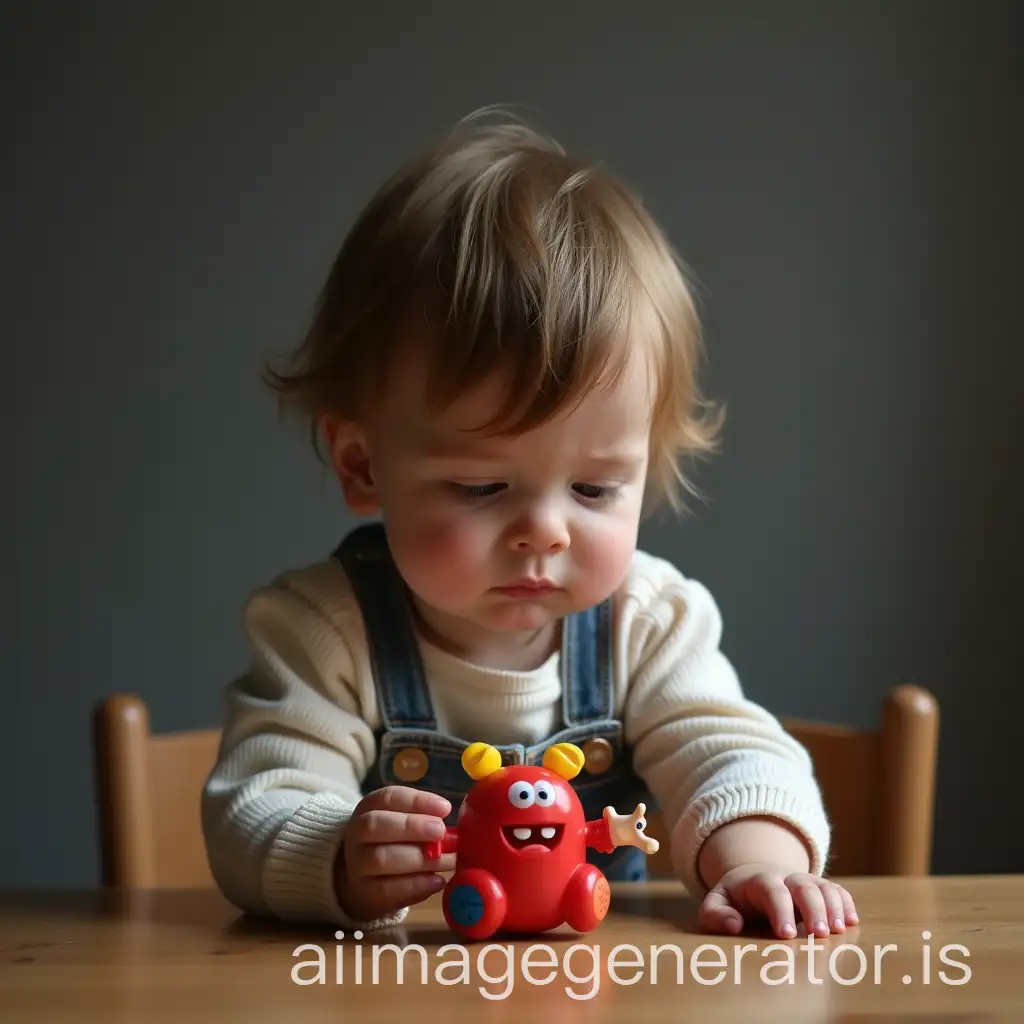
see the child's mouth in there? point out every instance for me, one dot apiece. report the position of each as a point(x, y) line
point(533, 838)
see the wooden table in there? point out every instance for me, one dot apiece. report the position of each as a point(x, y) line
point(174, 956)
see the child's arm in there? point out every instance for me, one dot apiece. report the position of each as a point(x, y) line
point(752, 840)
point(287, 779)
point(709, 755)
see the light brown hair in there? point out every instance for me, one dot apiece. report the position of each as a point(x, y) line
point(502, 253)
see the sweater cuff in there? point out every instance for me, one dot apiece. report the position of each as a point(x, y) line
point(298, 874)
point(730, 803)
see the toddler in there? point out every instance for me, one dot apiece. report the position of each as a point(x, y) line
point(501, 373)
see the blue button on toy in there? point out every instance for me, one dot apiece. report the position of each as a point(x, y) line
point(466, 905)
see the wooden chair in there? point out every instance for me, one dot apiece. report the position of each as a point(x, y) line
point(148, 791)
point(878, 788)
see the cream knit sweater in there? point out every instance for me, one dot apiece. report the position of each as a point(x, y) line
point(299, 733)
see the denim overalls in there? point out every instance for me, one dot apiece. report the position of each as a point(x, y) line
point(411, 751)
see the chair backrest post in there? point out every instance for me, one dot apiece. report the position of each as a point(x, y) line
point(909, 740)
point(121, 732)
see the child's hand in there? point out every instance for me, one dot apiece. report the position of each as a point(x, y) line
point(381, 865)
point(752, 891)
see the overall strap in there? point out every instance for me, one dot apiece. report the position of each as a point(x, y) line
point(399, 678)
point(588, 665)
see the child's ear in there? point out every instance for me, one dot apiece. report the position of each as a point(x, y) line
point(350, 458)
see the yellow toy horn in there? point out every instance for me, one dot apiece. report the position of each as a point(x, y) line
point(565, 759)
point(480, 760)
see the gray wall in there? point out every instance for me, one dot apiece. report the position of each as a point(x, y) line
point(845, 179)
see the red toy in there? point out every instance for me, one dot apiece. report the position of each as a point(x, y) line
point(520, 846)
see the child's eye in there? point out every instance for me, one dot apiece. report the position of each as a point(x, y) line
point(595, 492)
point(475, 492)
point(469, 492)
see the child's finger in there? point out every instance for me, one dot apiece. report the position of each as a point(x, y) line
point(446, 862)
point(381, 826)
point(836, 918)
point(775, 901)
point(373, 860)
point(717, 914)
point(811, 903)
point(396, 891)
point(849, 908)
point(405, 798)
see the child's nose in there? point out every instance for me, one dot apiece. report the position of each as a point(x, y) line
point(541, 532)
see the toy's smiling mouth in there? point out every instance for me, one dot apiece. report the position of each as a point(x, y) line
point(535, 838)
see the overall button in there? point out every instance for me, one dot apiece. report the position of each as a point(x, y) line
point(598, 754)
point(410, 764)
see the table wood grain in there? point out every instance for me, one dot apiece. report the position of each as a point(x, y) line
point(936, 949)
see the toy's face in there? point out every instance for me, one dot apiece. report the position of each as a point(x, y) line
point(536, 815)
point(523, 811)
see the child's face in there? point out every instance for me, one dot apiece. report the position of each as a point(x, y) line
point(562, 502)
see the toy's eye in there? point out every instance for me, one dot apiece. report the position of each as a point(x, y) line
point(521, 795)
point(641, 825)
point(545, 794)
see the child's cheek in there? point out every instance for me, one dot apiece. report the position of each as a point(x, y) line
point(611, 551)
point(440, 556)
point(445, 544)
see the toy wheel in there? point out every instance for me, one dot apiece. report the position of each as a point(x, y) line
point(474, 903)
point(587, 898)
